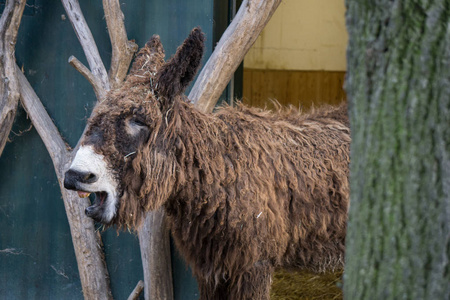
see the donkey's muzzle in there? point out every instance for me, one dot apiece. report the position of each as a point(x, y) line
point(73, 179)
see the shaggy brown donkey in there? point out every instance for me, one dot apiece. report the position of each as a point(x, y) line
point(245, 190)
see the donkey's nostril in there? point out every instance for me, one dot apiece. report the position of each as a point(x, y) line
point(89, 178)
point(73, 178)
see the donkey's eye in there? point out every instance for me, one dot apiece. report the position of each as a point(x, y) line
point(137, 122)
point(134, 126)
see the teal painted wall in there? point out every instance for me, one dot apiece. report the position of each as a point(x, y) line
point(37, 259)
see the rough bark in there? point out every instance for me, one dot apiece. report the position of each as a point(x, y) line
point(155, 254)
point(240, 35)
point(9, 87)
point(398, 86)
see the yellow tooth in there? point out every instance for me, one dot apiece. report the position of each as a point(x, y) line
point(83, 194)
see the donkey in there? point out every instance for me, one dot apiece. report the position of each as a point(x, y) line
point(245, 190)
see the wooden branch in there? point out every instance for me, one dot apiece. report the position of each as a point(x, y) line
point(122, 49)
point(155, 254)
point(9, 86)
point(137, 291)
point(87, 243)
point(100, 92)
point(86, 39)
point(243, 31)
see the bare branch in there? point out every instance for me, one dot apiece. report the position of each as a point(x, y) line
point(137, 291)
point(9, 86)
point(86, 39)
point(96, 84)
point(230, 51)
point(122, 49)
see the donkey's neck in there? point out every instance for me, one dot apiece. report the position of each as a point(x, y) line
point(196, 140)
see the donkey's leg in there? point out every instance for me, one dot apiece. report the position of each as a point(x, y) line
point(213, 291)
point(252, 284)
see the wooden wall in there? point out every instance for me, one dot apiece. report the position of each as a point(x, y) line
point(298, 88)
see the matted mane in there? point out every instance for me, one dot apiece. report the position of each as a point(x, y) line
point(215, 164)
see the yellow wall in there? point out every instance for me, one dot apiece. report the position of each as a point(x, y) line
point(302, 35)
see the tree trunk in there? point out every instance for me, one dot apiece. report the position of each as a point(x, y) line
point(9, 86)
point(398, 86)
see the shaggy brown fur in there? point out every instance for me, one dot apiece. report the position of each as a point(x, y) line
point(246, 190)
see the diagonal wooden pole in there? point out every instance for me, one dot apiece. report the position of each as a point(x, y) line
point(242, 33)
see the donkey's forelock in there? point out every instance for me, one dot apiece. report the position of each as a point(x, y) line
point(147, 61)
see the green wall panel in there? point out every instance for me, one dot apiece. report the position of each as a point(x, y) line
point(37, 259)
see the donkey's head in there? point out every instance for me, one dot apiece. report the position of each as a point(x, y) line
point(122, 158)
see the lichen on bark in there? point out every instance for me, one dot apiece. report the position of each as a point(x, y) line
point(398, 86)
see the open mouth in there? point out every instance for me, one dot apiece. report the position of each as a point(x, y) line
point(97, 204)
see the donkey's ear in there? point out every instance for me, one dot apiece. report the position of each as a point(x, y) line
point(174, 77)
point(149, 59)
